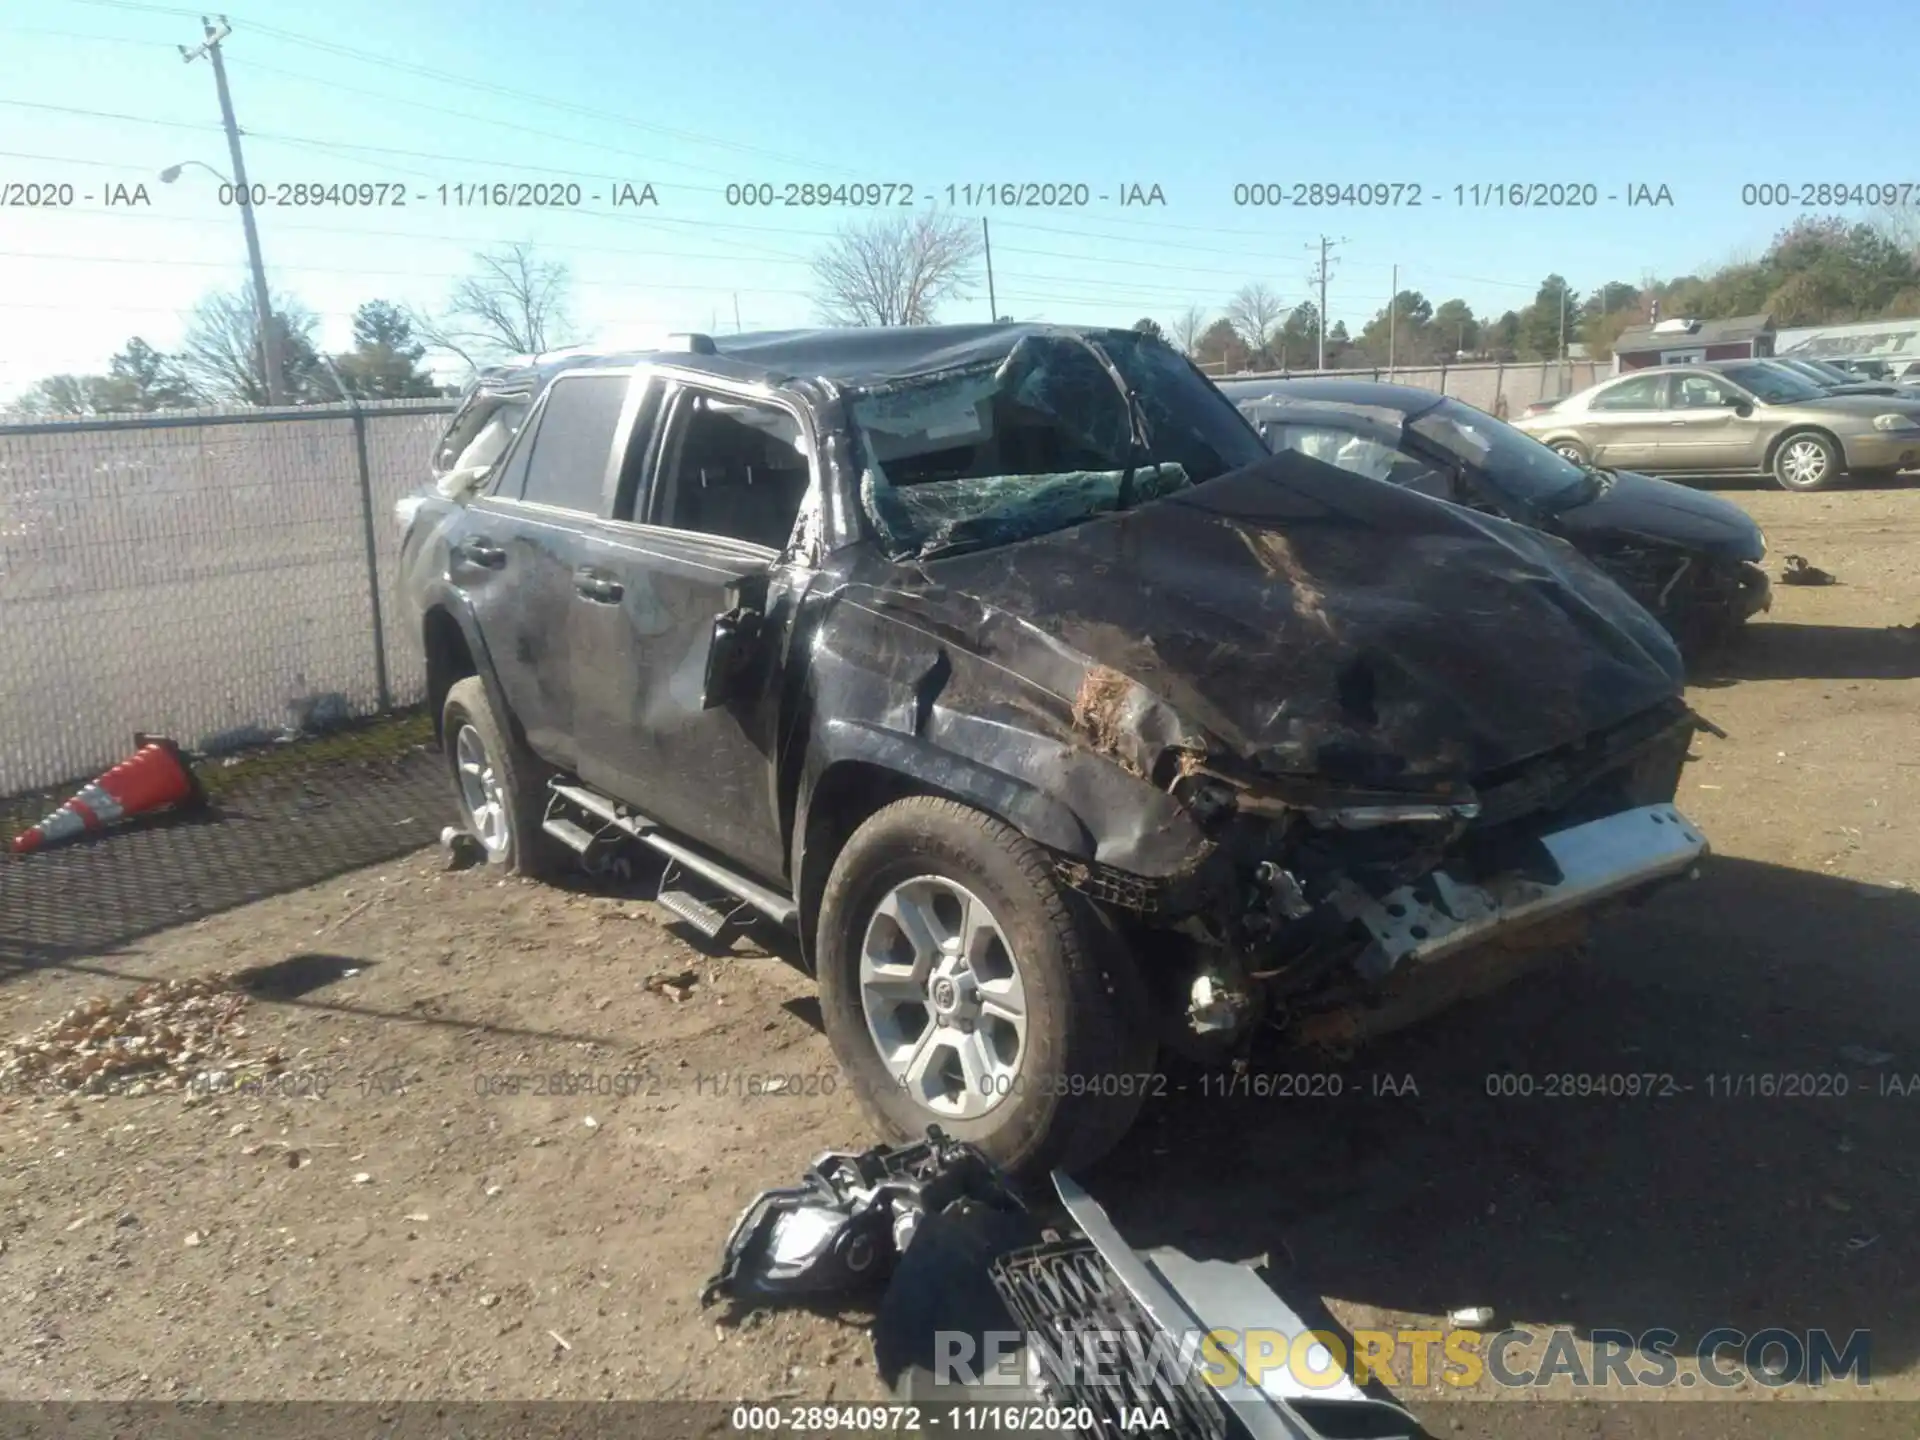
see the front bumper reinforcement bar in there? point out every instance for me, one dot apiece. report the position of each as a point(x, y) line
point(1596, 861)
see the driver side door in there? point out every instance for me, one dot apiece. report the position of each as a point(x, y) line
point(1705, 429)
point(703, 513)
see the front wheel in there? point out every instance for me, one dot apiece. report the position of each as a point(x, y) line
point(1570, 450)
point(962, 986)
point(498, 785)
point(1805, 461)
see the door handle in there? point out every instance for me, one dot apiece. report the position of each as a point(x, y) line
point(595, 585)
point(483, 553)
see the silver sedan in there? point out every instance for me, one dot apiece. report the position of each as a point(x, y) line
point(1731, 417)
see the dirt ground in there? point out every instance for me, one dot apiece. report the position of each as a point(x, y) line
point(400, 1216)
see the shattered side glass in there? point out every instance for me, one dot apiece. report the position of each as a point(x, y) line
point(1043, 441)
point(1512, 461)
point(476, 439)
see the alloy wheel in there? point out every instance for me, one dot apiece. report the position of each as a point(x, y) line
point(1804, 462)
point(481, 795)
point(943, 998)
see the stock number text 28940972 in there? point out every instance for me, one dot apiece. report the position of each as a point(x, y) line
point(1480, 195)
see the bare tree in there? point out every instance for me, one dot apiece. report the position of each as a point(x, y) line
point(1255, 313)
point(896, 270)
point(513, 304)
point(221, 356)
point(1900, 224)
point(1187, 327)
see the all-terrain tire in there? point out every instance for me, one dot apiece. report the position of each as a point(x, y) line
point(1089, 1056)
point(517, 778)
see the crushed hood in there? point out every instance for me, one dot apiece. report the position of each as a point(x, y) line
point(1316, 625)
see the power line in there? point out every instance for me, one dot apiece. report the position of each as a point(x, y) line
point(78, 35)
point(109, 115)
point(150, 261)
point(254, 65)
point(468, 84)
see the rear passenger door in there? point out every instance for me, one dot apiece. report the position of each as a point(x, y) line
point(1625, 423)
point(710, 490)
point(515, 558)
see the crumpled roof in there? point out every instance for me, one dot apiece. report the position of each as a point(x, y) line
point(864, 356)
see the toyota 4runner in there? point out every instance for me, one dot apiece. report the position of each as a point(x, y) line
point(1059, 720)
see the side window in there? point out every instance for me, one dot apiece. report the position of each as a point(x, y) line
point(732, 468)
point(1355, 454)
point(567, 466)
point(1640, 393)
point(1700, 392)
point(477, 437)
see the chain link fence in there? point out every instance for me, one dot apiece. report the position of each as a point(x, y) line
point(1503, 389)
point(218, 576)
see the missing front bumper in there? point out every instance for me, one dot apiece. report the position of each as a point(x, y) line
point(1597, 861)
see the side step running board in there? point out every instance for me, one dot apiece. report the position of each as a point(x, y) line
point(693, 910)
point(770, 903)
point(568, 833)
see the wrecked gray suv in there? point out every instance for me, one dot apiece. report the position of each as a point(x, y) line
point(1059, 720)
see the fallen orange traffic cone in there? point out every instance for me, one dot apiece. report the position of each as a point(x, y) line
point(155, 776)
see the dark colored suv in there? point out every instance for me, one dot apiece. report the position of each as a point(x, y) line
point(1059, 719)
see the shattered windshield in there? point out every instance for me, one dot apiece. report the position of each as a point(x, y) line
point(1512, 461)
point(1056, 433)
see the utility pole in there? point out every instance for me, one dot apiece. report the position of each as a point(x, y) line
point(1393, 302)
point(986, 242)
point(1321, 278)
point(736, 312)
point(269, 330)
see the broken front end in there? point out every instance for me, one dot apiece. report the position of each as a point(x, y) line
point(1702, 599)
point(1326, 913)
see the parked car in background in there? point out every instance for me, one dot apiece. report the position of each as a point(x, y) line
point(1691, 558)
point(1731, 417)
point(1058, 719)
point(1831, 378)
point(1865, 369)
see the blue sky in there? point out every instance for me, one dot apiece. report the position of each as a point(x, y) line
point(1194, 97)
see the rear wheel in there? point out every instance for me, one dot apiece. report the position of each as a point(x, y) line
point(499, 786)
point(962, 986)
point(1805, 461)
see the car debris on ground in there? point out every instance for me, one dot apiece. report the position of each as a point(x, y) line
point(1801, 571)
point(1098, 1326)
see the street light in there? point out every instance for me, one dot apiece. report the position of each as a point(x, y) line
point(172, 172)
point(263, 304)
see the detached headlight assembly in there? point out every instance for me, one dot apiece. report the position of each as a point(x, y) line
point(1895, 422)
